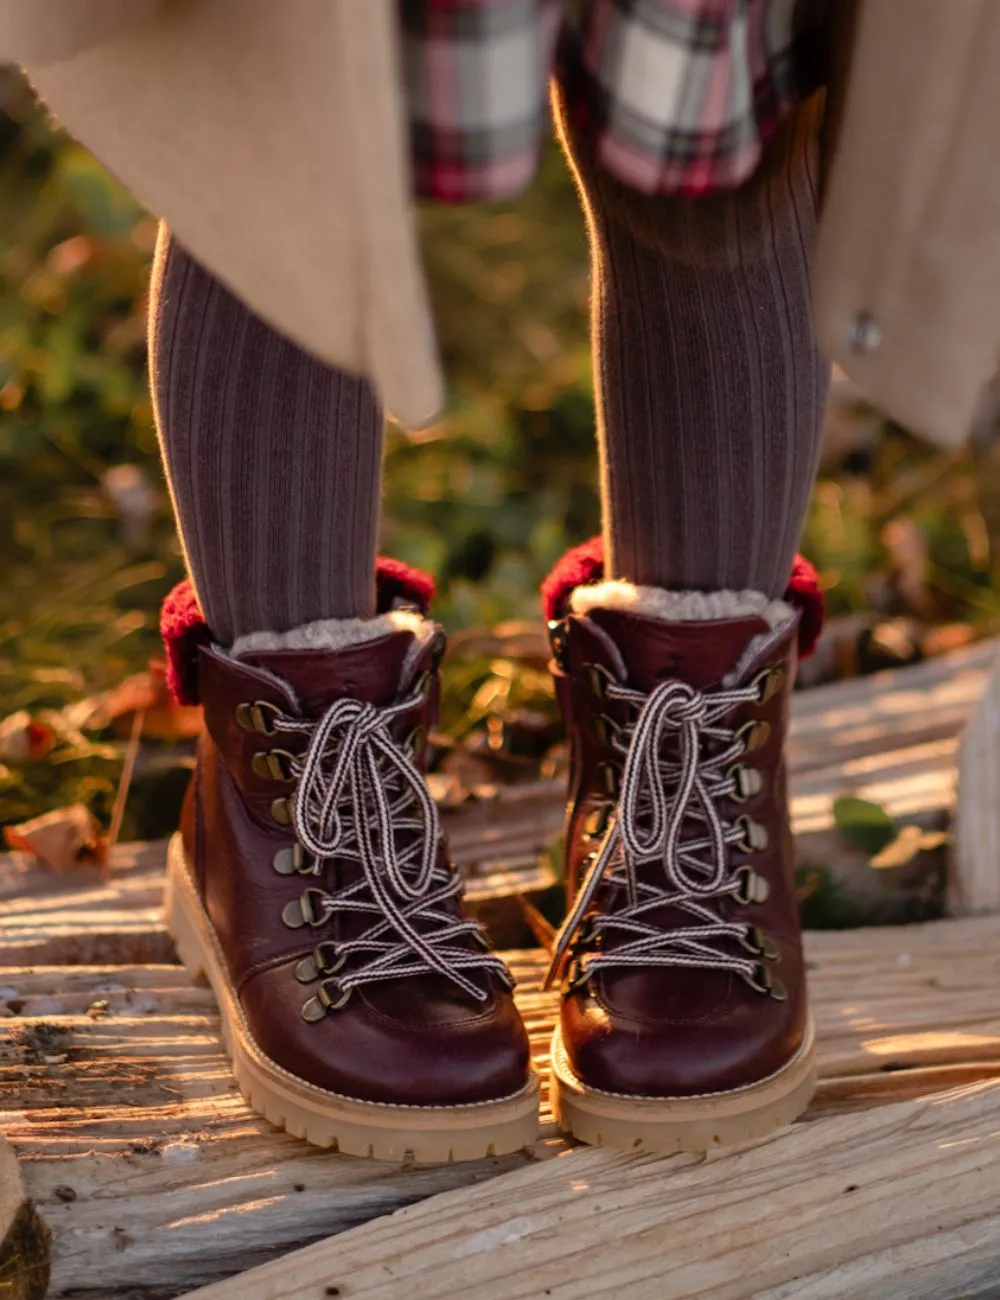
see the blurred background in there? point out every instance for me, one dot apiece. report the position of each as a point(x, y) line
point(906, 538)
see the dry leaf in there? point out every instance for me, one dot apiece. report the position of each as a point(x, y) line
point(23, 738)
point(62, 839)
point(146, 692)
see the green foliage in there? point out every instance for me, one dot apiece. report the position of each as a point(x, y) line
point(487, 499)
point(863, 824)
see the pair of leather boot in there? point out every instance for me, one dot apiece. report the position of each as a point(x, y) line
point(363, 1010)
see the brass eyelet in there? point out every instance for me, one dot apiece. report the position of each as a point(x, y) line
point(760, 979)
point(761, 945)
point(588, 934)
point(325, 959)
point(303, 911)
point(751, 888)
point(273, 765)
point(333, 995)
point(755, 837)
point(769, 683)
point(605, 729)
point(438, 647)
point(259, 716)
point(748, 782)
point(754, 736)
point(599, 678)
point(291, 861)
point(610, 777)
point(596, 822)
point(574, 978)
point(557, 631)
point(281, 811)
point(416, 742)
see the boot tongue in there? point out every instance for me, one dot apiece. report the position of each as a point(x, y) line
point(370, 671)
point(701, 654)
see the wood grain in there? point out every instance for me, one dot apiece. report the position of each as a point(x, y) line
point(873, 1204)
point(113, 1083)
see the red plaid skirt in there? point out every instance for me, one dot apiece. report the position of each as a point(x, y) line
point(681, 95)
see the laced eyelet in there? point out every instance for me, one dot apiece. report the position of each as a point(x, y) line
point(761, 945)
point(305, 910)
point(557, 641)
point(748, 782)
point(574, 978)
point(331, 997)
point(588, 934)
point(292, 861)
point(416, 741)
point(753, 736)
point(599, 679)
point(750, 887)
point(759, 978)
point(596, 822)
point(259, 716)
point(605, 729)
point(755, 838)
point(769, 683)
point(325, 959)
point(438, 647)
point(764, 982)
point(281, 811)
point(610, 777)
point(273, 765)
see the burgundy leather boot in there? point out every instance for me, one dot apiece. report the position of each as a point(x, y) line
point(361, 1008)
point(684, 1021)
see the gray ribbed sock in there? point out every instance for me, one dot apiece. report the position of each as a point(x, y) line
point(711, 391)
point(273, 459)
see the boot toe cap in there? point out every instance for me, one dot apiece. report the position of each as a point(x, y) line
point(443, 1052)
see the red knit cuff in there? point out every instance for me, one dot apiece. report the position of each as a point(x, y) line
point(584, 564)
point(184, 629)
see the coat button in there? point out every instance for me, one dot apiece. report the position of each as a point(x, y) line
point(864, 337)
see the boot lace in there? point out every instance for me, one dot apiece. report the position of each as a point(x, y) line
point(668, 815)
point(360, 798)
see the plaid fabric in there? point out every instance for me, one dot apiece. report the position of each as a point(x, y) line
point(681, 95)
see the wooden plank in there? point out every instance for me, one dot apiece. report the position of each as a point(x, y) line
point(113, 1083)
point(25, 1240)
point(79, 917)
point(834, 1208)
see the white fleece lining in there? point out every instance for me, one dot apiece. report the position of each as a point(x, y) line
point(338, 633)
point(691, 607)
point(680, 606)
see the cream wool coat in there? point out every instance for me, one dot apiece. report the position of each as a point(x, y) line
point(271, 137)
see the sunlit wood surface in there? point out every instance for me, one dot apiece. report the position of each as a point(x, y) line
point(156, 1179)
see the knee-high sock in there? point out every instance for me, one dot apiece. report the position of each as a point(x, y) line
point(711, 391)
point(273, 459)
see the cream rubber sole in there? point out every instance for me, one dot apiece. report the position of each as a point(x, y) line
point(667, 1125)
point(425, 1134)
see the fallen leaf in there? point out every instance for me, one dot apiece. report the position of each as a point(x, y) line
point(23, 738)
point(62, 839)
point(910, 841)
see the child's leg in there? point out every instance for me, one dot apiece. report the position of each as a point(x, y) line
point(274, 460)
point(710, 386)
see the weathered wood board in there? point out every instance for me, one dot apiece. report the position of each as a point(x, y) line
point(899, 1203)
point(156, 1178)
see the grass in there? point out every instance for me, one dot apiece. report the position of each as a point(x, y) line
point(487, 499)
